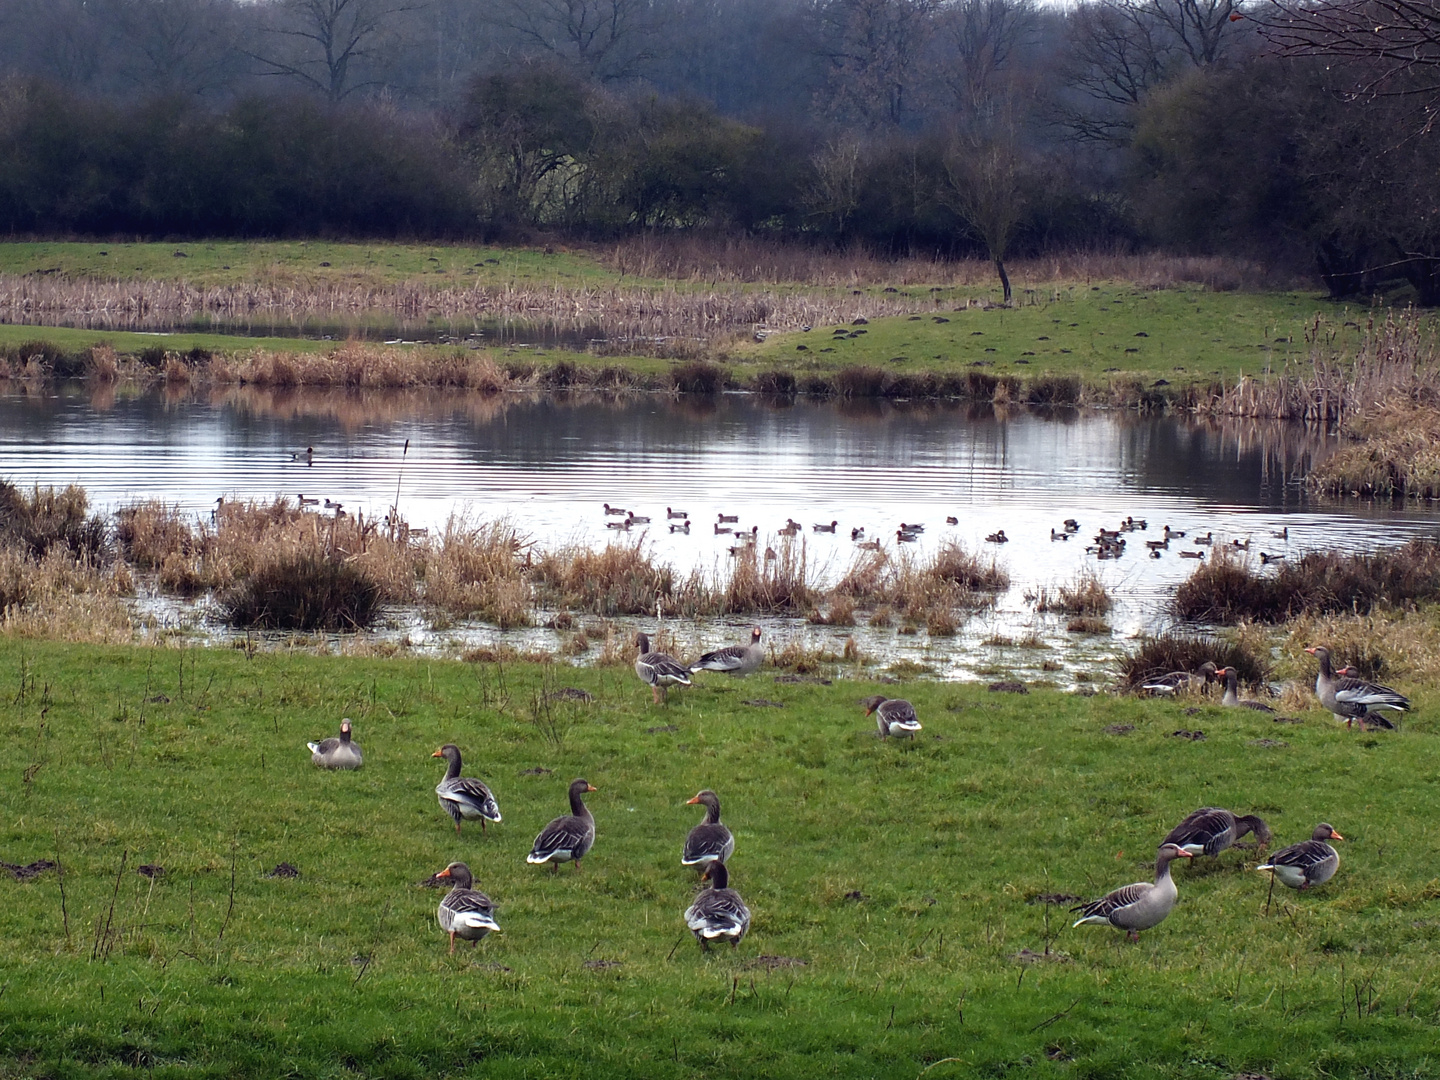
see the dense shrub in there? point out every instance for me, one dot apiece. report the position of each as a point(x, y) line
point(305, 591)
point(1179, 651)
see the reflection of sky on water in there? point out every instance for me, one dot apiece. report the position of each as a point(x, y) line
point(548, 464)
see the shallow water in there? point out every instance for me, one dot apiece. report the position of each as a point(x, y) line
point(549, 463)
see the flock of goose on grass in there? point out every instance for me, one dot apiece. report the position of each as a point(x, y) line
point(720, 914)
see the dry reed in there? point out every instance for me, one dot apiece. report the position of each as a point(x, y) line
point(1085, 596)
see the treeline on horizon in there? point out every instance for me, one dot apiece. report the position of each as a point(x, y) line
point(964, 127)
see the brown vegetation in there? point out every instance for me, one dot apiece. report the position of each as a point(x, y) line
point(1085, 596)
point(1392, 450)
point(1229, 589)
point(1179, 651)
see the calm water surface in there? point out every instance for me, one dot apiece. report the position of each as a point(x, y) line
point(549, 463)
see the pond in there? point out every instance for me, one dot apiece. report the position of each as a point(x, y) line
point(549, 464)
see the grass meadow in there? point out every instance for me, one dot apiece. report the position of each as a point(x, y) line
point(901, 928)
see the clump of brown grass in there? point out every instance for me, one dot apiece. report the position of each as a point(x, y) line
point(754, 582)
point(620, 579)
point(303, 591)
point(954, 565)
point(150, 532)
point(59, 596)
point(1086, 595)
point(478, 570)
point(839, 611)
point(1228, 589)
point(1087, 624)
point(1392, 450)
point(43, 518)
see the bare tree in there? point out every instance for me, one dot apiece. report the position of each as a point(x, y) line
point(1394, 44)
point(175, 46)
point(872, 47)
point(833, 193)
point(1122, 49)
point(318, 41)
point(982, 36)
point(988, 185)
point(606, 39)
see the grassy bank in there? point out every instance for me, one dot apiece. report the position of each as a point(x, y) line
point(896, 887)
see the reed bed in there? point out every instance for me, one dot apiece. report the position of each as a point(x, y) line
point(1086, 595)
point(1391, 450)
point(1229, 589)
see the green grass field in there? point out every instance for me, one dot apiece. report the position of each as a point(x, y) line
point(904, 875)
point(1094, 332)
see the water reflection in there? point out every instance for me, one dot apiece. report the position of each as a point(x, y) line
point(549, 462)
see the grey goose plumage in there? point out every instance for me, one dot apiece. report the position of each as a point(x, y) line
point(734, 659)
point(658, 670)
point(337, 753)
point(1350, 698)
point(709, 841)
point(893, 716)
point(1310, 862)
point(1232, 696)
point(718, 913)
point(570, 837)
point(465, 913)
point(463, 797)
point(1140, 906)
point(1175, 682)
point(1212, 829)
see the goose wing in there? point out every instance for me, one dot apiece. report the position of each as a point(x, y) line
point(900, 714)
point(466, 791)
point(731, 658)
point(706, 843)
point(324, 746)
point(718, 913)
point(467, 909)
point(1369, 695)
point(1106, 907)
point(1303, 855)
point(1208, 830)
point(656, 668)
point(569, 837)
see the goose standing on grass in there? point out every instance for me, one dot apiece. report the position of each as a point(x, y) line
point(718, 913)
point(709, 841)
point(892, 715)
point(1176, 681)
point(461, 796)
point(1310, 862)
point(1137, 907)
point(734, 659)
point(341, 753)
point(569, 837)
point(658, 670)
point(1232, 696)
point(465, 913)
point(1353, 699)
point(1210, 830)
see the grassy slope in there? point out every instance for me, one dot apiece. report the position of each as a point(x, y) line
point(1094, 332)
point(948, 838)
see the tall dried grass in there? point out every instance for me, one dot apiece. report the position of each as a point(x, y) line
point(619, 579)
point(1392, 450)
point(478, 569)
point(1177, 650)
point(44, 518)
point(1085, 595)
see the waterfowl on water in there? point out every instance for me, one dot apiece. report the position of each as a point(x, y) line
point(1176, 681)
point(728, 519)
point(1350, 698)
point(658, 670)
point(951, 519)
point(1158, 545)
point(857, 533)
point(1283, 534)
point(1211, 829)
point(709, 841)
point(1232, 696)
point(569, 837)
point(463, 797)
point(1192, 555)
point(1169, 532)
point(625, 524)
point(892, 715)
point(636, 519)
point(1071, 525)
point(721, 530)
point(1310, 862)
point(915, 528)
point(826, 528)
point(1208, 538)
point(307, 455)
point(734, 659)
point(868, 545)
point(997, 537)
point(684, 527)
point(465, 913)
point(1140, 906)
point(718, 913)
point(672, 515)
point(308, 502)
point(615, 511)
point(902, 537)
point(1266, 559)
point(333, 753)
point(1242, 545)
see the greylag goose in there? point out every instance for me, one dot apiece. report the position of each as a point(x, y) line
point(718, 913)
point(1310, 862)
point(569, 837)
point(709, 841)
point(1137, 907)
point(339, 753)
point(1353, 699)
point(734, 659)
point(892, 715)
point(1177, 681)
point(1210, 830)
point(465, 913)
point(463, 797)
point(1232, 696)
point(658, 670)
